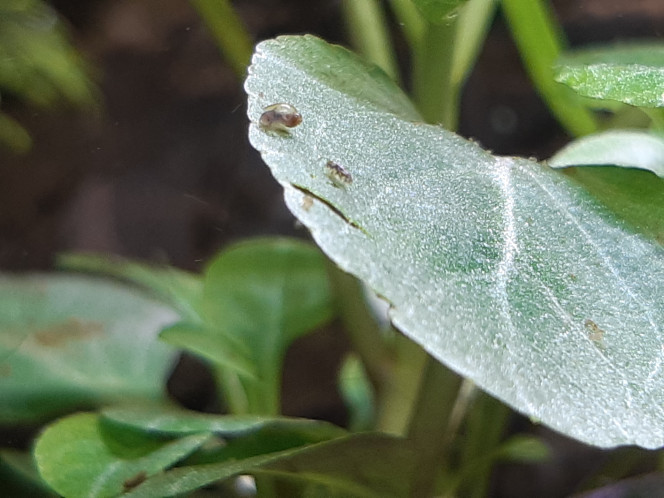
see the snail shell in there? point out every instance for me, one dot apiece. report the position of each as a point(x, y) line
point(279, 117)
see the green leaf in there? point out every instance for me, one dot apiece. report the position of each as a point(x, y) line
point(19, 476)
point(13, 135)
point(439, 11)
point(348, 466)
point(175, 422)
point(220, 349)
point(37, 62)
point(504, 269)
point(633, 195)
point(633, 74)
point(81, 456)
point(263, 294)
point(177, 288)
point(528, 449)
point(627, 148)
point(68, 341)
point(228, 31)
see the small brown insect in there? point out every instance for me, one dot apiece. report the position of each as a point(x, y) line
point(339, 175)
point(279, 117)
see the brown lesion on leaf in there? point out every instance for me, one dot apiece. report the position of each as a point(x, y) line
point(331, 206)
point(595, 333)
point(73, 329)
point(134, 481)
point(5, 370)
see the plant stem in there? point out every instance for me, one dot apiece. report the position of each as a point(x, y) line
point(392, 361)
point(473, 25)
point(230, 390)
point(367, 27)
point(434, 94)
point(368, 340)
point(411, 22)
point(229, 32)
point(429, 426)
point(484, 428)
point(264, 395)
point(540, 41)
point(397, 398)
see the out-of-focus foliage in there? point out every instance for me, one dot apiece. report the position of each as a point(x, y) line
point(38, 65)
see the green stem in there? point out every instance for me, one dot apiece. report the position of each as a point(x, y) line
point(429, 426)
point(367, 27)
point(484, 428)
point(393, 362)
point(229, 32)
point(367, 338)
point(264, 395)
point(231, 391)
point(473, 25)
point(435, 96)
point(540, 41)
point(411, 22)
point(397, 397)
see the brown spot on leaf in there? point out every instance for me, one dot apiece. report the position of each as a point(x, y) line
point(74, 329)
point(5, 370)
point(595, 333)
point(134, 481)
point(307, 202)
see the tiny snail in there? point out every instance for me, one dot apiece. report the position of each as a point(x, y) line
point(339, 175)
point(279, 117)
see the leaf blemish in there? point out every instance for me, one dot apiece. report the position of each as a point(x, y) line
point(134, 481)
point(331, 206)
point(72, 329)
point(595, 333)
point(307, 202)
point(279, 117)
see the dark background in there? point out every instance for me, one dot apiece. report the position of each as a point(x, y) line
point(165, 172)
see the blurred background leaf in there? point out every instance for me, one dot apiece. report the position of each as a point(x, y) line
point(631, 73)
point(38, 65)
point(68, 342)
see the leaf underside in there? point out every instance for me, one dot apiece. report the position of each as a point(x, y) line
point(626, 148)
point(501, 268)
